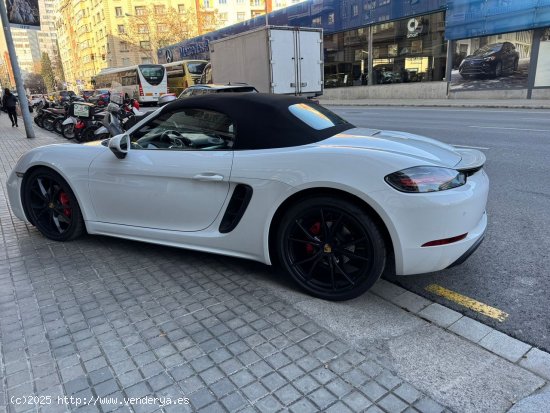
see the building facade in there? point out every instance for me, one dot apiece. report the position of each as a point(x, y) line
point(429, 48)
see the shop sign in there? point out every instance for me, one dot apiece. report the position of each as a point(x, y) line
point(414, 28)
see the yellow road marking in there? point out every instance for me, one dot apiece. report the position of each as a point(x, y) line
point(467, 302)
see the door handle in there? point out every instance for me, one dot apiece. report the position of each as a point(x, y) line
point(208, 176)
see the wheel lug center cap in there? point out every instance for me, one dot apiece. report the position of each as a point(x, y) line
point(51, 205)
point(327, 248)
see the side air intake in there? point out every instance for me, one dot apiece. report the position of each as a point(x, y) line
point(235, 210)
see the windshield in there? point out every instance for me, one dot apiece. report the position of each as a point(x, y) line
point(153, 74)
point(196, 68)
point(490, 48)
point(316, 116)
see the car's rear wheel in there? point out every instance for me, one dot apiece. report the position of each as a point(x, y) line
point(51, 205)
point(516, 65)
point(332, 248)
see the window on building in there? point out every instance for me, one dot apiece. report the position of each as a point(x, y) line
point(143, 28)
point(162, 28)
point(121, 29)
point(125, 61)
point(140, 10)
point(355, 10)
point(146, 60)
point(222, 1)
point(146, 45)
point(118, 11)
point(206, 4)
point(160, 9)
point(124, 47)
point(181, 8)
point(330, 18)
point(241, 16)
point(222, 17)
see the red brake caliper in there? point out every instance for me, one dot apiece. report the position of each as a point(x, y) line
point(64, 199)
point(315, 229)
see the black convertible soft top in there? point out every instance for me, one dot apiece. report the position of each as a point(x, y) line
point(261, 120)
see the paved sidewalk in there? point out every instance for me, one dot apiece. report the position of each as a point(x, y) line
point(105, 320)
point(457, 103)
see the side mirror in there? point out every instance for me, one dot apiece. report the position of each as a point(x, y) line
point(119, 145)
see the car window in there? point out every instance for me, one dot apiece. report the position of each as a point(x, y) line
point(186, 129)
point(316, 116)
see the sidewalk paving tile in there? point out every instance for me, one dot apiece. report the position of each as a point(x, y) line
point(411, 302)
point(537, 361)
point(505, 346)
point(470, 329)
point(440, 315)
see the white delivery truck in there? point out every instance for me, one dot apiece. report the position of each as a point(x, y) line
point(273, 59)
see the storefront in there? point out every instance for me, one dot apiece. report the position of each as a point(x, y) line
point(448, 46)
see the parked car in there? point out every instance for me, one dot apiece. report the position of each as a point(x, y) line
point(35, 99)
point(270, 178)
point(494, 60)
point(101, 97)
point(201, 89)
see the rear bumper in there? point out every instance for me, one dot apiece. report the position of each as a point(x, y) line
point(470, 251)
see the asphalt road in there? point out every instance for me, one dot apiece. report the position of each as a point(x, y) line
point(511, 269)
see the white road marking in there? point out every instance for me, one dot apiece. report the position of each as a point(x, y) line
point(498, 127)
point(471, 147)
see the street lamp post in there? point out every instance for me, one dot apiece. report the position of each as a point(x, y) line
point(146, 22)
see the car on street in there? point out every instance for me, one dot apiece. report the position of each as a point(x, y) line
point(493, 60)
point(205, 89)
point(271, 178)
point(101, 97)
point(63, 96)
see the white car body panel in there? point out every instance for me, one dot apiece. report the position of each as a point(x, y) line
point(170, 190)
point(155, 195)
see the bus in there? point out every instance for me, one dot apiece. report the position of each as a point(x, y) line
point(183, 74)
point(145, 83)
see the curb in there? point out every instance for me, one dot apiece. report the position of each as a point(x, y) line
point(515, 351)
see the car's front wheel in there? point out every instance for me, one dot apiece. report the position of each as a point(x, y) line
point(51, 205)
point(331, 247)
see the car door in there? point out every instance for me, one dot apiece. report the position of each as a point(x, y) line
point(174, 177)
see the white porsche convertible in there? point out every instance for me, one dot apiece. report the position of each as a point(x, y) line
point(268, 178)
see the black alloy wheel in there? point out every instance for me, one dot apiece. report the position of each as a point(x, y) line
point(50, 205)
point(331, 248)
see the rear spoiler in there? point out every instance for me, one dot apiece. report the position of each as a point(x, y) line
point(471, 160)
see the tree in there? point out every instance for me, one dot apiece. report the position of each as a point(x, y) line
point(158, 26)
point(58, 67)
point(47, 72)
point(35, 83)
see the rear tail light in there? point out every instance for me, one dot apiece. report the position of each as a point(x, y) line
point(140, 90)
point(420, 179)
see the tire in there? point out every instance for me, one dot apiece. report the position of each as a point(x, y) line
point(68, 131)
point(498, 69)
point(38, 120)
point(332, 248)
point(57, 125)
point(516, 66)
point(51, 205)
point(48, 123)
point(88, 133)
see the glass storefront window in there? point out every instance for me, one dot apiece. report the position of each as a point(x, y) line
point(409, 50)
point(542, 76)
